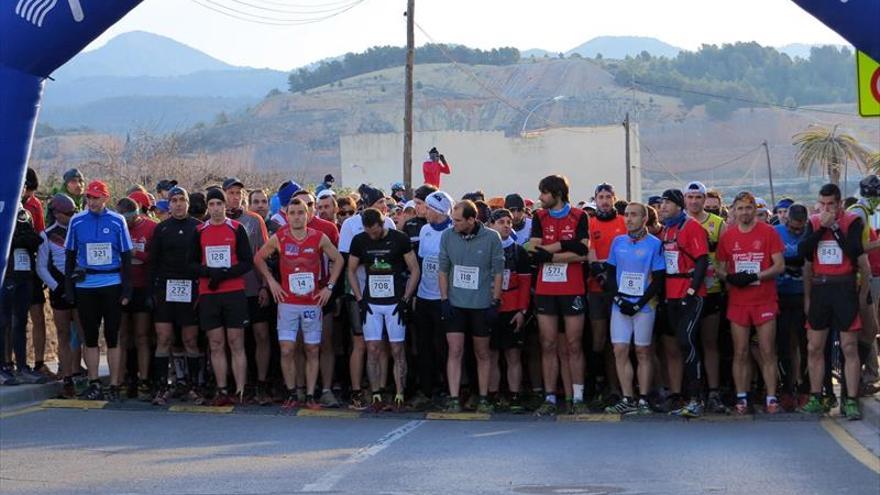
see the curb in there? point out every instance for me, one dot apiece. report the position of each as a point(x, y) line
point(871, 410)
point(23, 394)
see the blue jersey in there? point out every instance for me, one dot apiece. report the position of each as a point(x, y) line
point(791, 280)
point(634, 262)
point(99, 241)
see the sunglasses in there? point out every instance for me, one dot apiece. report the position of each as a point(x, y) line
point(345, 213)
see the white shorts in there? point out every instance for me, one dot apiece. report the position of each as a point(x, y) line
point(624, 327)
point(381, 318)
point(294, 317)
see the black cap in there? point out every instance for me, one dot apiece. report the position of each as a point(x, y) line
point(231, 182)
point(514, 201)
point(654, 200)
point(73, 174)
point(329, 178)
point(215, 193)
point(165, 185)
point(370, 194)
point(499, 214)
point(674, 195)
point(178, 191)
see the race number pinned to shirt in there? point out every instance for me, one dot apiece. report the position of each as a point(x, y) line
point(138, 246)
point(430, 265)
point(218, 256)
point(466, 277)
point(22, 261)
point(748, 267)
point(671, 262)
point(555, 272)
point(302, 283)
point(829, 253)
point(178, 291)
point(98, 253)
point(505, 280)
point(632, 284)
point(381, 286)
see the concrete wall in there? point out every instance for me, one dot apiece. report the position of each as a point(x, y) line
point(497, 164)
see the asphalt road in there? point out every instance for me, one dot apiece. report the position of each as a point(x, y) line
point(56, 451)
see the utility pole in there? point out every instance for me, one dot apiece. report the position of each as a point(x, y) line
point(408, 96)
point(769, 173)
point(628, 164)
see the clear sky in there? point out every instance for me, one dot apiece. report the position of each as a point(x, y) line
point(555, 25)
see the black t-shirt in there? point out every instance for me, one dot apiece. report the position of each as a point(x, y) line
point(412, 228)
point(384, 264)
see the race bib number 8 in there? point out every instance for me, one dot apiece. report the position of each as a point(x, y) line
point(381, 286)
point(218, 256)
point(178, 291)
point(632, 284)
point(301, 284)
point(829, 253)
point(671, 262)
point(98, 253)
point(466, 277)
point(22, 262)
point(555, 272)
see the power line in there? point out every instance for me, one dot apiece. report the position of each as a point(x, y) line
point(240, 15)
point(743, 100)
point(316, 9)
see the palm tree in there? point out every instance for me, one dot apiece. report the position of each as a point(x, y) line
point(874, 162)
point(831, 150)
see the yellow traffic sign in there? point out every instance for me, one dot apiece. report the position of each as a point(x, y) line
point(869, 85)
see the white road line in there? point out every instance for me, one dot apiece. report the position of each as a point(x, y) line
point(331, 477)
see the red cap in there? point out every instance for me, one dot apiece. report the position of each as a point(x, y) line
point(141, 198)
point(529, 203)
point(98, 189)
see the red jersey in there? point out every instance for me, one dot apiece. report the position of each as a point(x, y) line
point(750, 252)
point(219, 245)
point(432, 170)
point(560, 279)
point(35, 207)
point(327, 228)
point(141, 237)
point(299, 262)
point(602, 233)
point(829, 258)
point(874, 254)
point(683, 244)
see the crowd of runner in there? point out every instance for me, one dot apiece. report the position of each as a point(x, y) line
point(688, 304)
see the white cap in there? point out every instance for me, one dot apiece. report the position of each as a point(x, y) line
point(325, 193)
point(409, 204)
point(440, 202)
point(695, 187)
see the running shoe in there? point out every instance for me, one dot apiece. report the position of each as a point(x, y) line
point(516, 404)
point(222, 399)
point(328, 399)
point(290, 402)
point(813, 406)
point(624, 406)
point(312, 404)
point(68, 391)
point(772, 407)
point(851, 410)
point(715, 405)
point(162, 397)
point(420, 402)
point(671, 403)
point(301, 394)
point(28, 376)
point(113, 394)
point(144, 391)
point(262, 396)
point(452, 405)
point(742, 407)
point(7, 378)
point(829, 402)
point(642, 409)
point(578, 407)
point(693, 409)
point(195, 397)
point(358, 400)
point(45, 371)
point(501, 403)
point(93, 392)
point(485, 407)
point(546, 409)
point(399, 404)
point(788, 402)
point(376, 403)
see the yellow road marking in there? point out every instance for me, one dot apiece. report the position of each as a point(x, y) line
point(458, 416)
point(324, 413)
point(74, 404)
point(202, 409)
point(589, 418)
point(851, 445)
point(20, 411)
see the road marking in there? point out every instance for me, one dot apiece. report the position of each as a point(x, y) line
point(458, 416)
point(330, 478)
point(589, 418)
point(851, 445)
point(202, 409)
point(74, 404)
point(20, 411)
point(324, 413)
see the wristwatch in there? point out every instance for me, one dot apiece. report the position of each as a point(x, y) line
point(691, 291)
point(331, 286)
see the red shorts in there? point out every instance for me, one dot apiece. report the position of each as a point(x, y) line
point(747, 316)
